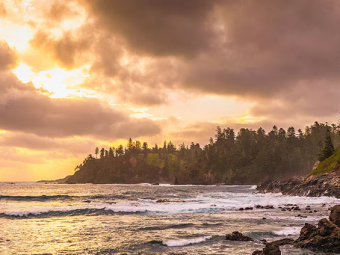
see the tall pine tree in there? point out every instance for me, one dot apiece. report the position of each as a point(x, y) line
point(328, 149)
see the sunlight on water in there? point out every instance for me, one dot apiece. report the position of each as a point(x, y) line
point(109, 219)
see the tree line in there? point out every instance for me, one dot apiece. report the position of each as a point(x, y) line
point(244, 157)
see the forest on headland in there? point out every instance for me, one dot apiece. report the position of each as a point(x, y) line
point(246, 157)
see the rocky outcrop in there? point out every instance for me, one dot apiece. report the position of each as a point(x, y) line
point(325, 237)
point(335, 215)
point(269, 249)
point(272, 248)
point(313, 186)
point(237, 236)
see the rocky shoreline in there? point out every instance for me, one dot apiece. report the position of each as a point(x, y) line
point(327, 184)
point(323, 238)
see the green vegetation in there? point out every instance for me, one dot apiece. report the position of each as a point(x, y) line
point(328, 149)
point(243, 158)
point(329, 164)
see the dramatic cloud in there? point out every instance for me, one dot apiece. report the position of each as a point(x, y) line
point(80, 146)
point(240, 63)
point(35, 113)
point(162, 28)
point(269, 47)
point(63, 51)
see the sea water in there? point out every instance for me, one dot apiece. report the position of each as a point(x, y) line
point(147, 219)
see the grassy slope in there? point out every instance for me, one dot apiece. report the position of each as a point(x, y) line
point(329, 164)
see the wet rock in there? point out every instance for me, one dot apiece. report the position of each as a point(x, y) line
point(335, 215)
point(162, 201)
point(156, 183)
point(269, 249)
point(237, 236)
point(248, 208)
point(268, 207)
point(324, 238)
point(314, 186)
point(284, 241)
point(326, 227)
point(241, 209)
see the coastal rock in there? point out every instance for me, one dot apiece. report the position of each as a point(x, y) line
point(237, 236)
point(335, 215)
point(284, 241)
point(327, 184)
point(269, 249)
point(324, 238)
point(273, 247)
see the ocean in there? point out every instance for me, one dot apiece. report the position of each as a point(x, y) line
point(45, 219)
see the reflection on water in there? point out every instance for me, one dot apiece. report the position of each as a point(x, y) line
point(110, 219)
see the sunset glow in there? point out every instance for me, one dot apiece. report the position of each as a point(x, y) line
point(114, 68)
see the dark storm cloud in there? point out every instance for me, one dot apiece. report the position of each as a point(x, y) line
point(257, 50)
point(249, 49)
point(32, 112)
point(268, 47)
point(162, 28)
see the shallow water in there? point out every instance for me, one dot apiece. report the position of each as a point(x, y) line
point(127, 219)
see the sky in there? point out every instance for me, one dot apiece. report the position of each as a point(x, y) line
point(77, 74)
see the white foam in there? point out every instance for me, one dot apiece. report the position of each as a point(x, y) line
point(288, 231)
point(40, 209)
point(205, 203)
point(184, 242)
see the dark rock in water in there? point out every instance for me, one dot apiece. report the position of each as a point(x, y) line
point(163, 201)
point(284, 241)
point(324, 238)
point(335, 215)
point(248, 208)
point(241, 209)
point(268, 207)
point(269, 249)
point(307, 231)
point(237, 236)
point(326, 227)
point(156, 183)
point(157, 242)
point(176, 182)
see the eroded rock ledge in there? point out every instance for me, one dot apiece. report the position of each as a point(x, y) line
point(314, 186)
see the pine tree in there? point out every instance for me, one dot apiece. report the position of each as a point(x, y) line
point(328, 149)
